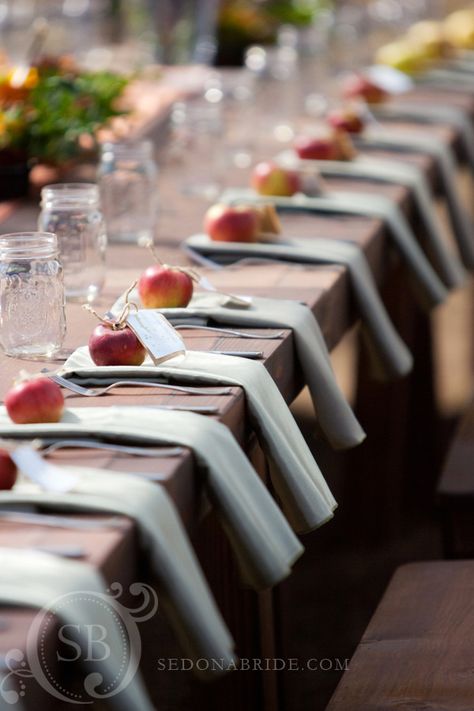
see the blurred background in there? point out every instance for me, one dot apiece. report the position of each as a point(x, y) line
point(204, 31)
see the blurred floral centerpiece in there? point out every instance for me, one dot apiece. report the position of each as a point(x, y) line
point(50, 113)
point(245, 22)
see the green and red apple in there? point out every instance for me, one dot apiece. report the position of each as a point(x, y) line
point(232, 223)
point(268, 178)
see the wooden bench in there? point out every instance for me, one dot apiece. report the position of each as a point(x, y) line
point(456, 491)
point(418, 650)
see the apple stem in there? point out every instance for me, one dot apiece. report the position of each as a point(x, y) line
point(120, 322)
point(152, 249)
point(191, 273)
point(194, 275)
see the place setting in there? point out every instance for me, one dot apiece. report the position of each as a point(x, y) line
point(235, 347)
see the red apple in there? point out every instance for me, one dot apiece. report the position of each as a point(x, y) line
point(164, 287)
point(346, 119)
point(120, 346)
point(322, 145)
point(8, 470)
point(268, 178)
point(35, 400)
point(226, 223)
point(328, 144)
point(359, 86)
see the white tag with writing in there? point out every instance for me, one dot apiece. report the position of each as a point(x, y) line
point(392, 80)
point(48, 476)
point(234, 299)
point(156, 334)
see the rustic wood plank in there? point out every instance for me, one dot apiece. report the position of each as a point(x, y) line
point(417, 650)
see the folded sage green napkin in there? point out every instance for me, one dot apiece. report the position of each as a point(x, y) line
point(446, 78)
point(183, 590)
point(39, 580)
point(463, 62)
point(406, 141)
point(335, 416)
point(305, 496)
point(446, 264)
point(431, 114)
point(389, 356)
point(263, 542)
point(428, 286)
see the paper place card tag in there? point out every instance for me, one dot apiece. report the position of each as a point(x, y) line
point(392, 80)
point(312, 184)
point(156, 334)
point(242, 302)
point(48, 476)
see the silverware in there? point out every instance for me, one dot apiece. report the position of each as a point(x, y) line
point(48, 446)
point(96, 392)
point(201, 409)
point(63, 551)
point(55, 521)
point(231, 332)
point(253, 355)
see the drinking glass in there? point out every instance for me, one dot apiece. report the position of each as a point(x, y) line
point(128, 186)
point(72, 212)
point(32, 316)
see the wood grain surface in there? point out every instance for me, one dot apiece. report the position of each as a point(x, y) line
point(417, 651)
point(325, 290)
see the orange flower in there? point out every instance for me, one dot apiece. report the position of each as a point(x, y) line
point(17, 84)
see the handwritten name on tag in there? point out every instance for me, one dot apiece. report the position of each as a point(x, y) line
point(48, 476)
point(156, 334)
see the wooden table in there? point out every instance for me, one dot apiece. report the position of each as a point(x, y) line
point(388, 408)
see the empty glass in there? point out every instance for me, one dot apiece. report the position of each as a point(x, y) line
point(32, 318)
point(72, 212)
point(196, 128)
point(128, 187)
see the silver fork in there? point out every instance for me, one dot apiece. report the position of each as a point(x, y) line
point(231, 332)
point(56, 521)
point(95, 392)
point(155, 452)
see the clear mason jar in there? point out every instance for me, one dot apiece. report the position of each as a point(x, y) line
point(32, 316)
point(127, 177)
point(72, 212)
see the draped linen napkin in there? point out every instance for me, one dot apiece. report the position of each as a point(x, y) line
point(263, 542)
point(335, 416)
point(305, 496)
point(446, 264)
point(36, 579)
point(389, 356)
point(184, 592)
point(445, 77)
point(428, 287)
point(431, 114)
point(463, 63)
point(406, 141)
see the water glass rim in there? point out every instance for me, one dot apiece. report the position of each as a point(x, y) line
point(71, 187)
point(70, 191)
point(28, 244)
point(144, 147)
point(70, 194)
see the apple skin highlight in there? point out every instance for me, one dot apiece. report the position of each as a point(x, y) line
point(163, 287)
point(226, 223)
point(108, 346)
point(35, 401)
point(268, 178)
